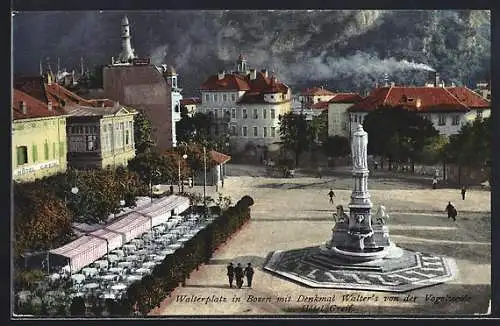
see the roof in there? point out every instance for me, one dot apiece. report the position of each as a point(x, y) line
point(317, 91)
point(229, 82)
point(80, 110)
point(470, 98)
point(319, 106)
point(32, 86)
point(191, 101)
point(422, 99)
point(218, 157)
point(346, 98)
point(34, 107)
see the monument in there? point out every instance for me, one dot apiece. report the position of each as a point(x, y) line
point(360, 254)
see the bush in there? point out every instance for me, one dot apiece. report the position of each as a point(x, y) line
point(77, 307)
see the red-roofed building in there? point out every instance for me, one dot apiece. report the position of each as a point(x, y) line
point(447, 108)
point(38, 138)
point(247, 104)
point(98, 132)
point(311, 96)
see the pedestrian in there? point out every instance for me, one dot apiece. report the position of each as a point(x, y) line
point(230, 274)
point(452, 211)
point(463, 192)
point(249, 274)
point(238, 274)
point(434, 183)
point(331, 194)
point(171, 189)
point(319, 171)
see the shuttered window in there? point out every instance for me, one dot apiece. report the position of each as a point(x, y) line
point(22, 155)
point(34, 153)
point(46, 151)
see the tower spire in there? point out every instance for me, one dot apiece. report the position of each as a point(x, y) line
point(127, 51)
point(40, 67)
point(58, 66)
point(81, 67)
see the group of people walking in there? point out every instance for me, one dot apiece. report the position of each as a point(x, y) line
point(238, 273)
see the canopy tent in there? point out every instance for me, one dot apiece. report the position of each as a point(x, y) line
point(92, 246)
point(80, 252)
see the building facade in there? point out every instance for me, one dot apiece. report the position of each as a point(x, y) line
point(314, 95)
point(448, 108)
point(191, 104)
point(152, 89)
point(338, 117)
point(38, 138)
point(248, 103)
point(100, 137)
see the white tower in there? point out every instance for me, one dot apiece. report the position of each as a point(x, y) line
point(127, 50)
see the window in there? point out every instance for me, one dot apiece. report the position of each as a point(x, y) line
point(46, 151)
point(245, 114)
point(255, 132)
point(215, 97)
point(265, 131)
point(355, 118)
point(479, 114)
point(22, 155)
point(244, 131)
point(127, 137)
point(456, 120)
point(272, 97)
point(273, 131)
point(54, 150)
point(233, 113)
point(233, 130)
point(233, 97)
point(264, 113)
point(442, 120)
point(104, 128)
point(34, 153)
point(255, 113)
point(273, 113)
point(207, 97)
point(87, 130)
point(216, 113)
point(177, 108)
point(224, 98)
point(91, 143)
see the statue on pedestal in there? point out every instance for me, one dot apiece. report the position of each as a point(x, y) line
point(359, 149)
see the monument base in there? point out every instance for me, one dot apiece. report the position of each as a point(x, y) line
point(400, 270)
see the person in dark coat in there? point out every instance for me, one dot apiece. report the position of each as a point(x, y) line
point(238, 273)
point(463, 192)
point(249, 274)
point(171, 189)
point(452, 211)
point(331, 194)
point(230, 274)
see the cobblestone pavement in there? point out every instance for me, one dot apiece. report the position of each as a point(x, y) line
point(295, 213)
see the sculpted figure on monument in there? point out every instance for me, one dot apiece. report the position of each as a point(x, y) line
point(359, 148)
point(340, 216)
point(381, 216)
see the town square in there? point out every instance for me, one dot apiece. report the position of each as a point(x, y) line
point(251, 163)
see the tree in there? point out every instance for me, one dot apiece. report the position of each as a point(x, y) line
point(41, 220)
point(471, 147)
point(336, 146)
point(320, 126)
point(397, 133)
point(143, 133)
point(295, 133)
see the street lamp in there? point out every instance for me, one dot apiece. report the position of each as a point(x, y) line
point(179, 170)
point(205, 180)
point(154, 174)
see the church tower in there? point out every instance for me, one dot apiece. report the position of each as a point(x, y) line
point(127, 50)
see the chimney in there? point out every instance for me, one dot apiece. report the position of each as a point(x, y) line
point(253, 74)
point(24, 109)
point(221, 74)
point(393, 84)
point(436, 82)
point(49, 105)
point(264, 72)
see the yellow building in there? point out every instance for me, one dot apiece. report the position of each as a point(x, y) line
point(38, 138)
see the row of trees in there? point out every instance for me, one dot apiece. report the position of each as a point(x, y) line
point(398, 135)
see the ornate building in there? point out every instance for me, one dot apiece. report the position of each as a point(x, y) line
point(247, 103)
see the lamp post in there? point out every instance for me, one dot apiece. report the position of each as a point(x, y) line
point(154, 174)
point(179, 170)
point(205, 180)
